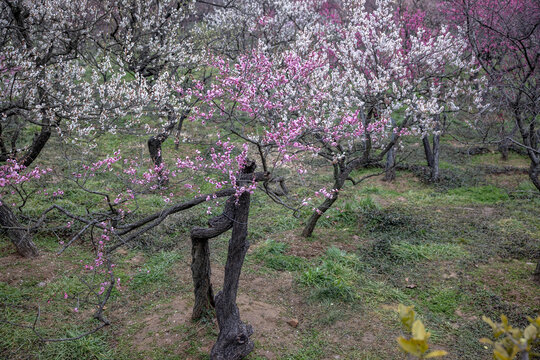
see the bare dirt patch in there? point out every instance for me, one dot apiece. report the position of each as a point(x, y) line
point(15, 269)
point(158, 329)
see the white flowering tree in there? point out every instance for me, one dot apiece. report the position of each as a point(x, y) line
point(385, 75)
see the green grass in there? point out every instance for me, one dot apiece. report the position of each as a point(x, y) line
point(488, 194)
point(431, 251)
point(313, 347)
point(271, 254)
point(482, 232)
point(443, 301)
point(334, 277)
point(155, 273)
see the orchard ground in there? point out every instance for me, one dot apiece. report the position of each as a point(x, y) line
point(456, 250)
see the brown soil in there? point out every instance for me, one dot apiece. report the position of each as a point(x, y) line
point(14, 269)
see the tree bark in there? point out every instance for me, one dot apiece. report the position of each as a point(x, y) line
point(200, 269)
point(427, 151)
point(432, 154)
point(530, 136)
point(537, 271)
point(39, 142)
point(390, 169)
point(534, 174)
point(503, 148)
point(340, 176)
point(436, 152)
point(155, 145)
point(19, 237)
point(200, 263)
point(234, 341)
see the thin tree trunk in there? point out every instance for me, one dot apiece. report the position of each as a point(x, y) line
point(530, 140)
point(436, 152)
point(427, 151)
point(200, 269)
point(19, 237)
point(179, 131)
point(390, 170)
point(503, 148)
point(339, 180)
point(233, 341)
point(432, 153)
point(155, 146)
point(312, 222)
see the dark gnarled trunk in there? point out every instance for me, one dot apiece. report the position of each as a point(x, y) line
point(200, 263)
point(18, 236)
point(155, 143)
point(39, 142)
point(234, 341)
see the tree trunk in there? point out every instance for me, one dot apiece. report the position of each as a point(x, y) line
point(19, 237)
point(340, 176)
point(233, 341)
point(312, 222)
point(390, 170)
point(503, 149)
point(530, 138)
point(432, 153)
point(427, 151)
point(200, 269)
point(155, 143)
point(179, 131)
point(37, 145)
point(436, 152)
point(200, 263)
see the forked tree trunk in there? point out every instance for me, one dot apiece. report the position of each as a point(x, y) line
point(432, 155)
point(200, 263)
point(233, 341)
point(19, 237)
point(155, 145)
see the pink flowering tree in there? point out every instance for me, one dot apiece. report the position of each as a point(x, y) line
point(114, 219)
point(351, 85)
point(17, 185)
